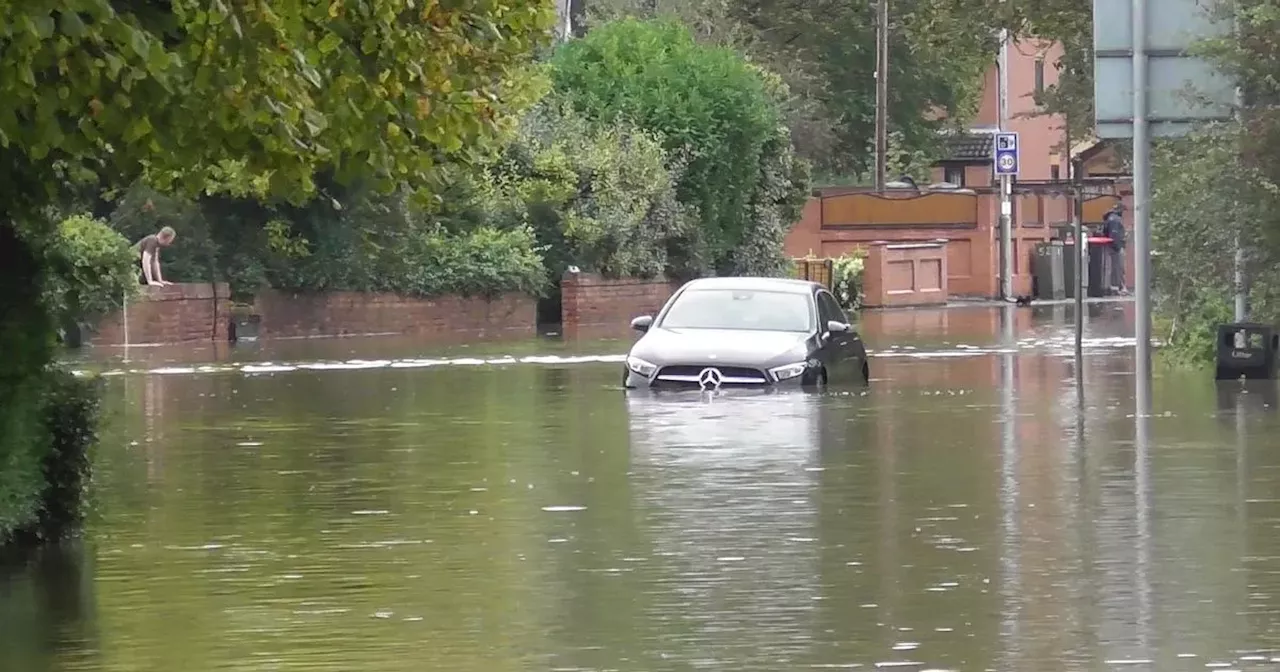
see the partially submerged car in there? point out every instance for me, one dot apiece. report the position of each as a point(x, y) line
point(717, 333)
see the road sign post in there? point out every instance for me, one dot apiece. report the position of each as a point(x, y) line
point(1149, 82)
point(1005, 160)
point(1006, 154)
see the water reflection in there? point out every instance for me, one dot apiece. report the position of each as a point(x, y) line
point(974, 508)
point(48, 611)
point(726, 484)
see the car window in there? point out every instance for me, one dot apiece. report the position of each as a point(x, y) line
point(830, 309)
point(740, 309)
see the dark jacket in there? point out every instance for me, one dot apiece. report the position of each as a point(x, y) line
point(1113, 228)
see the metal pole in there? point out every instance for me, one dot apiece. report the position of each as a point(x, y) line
point(1242, 293)
point(1141, 196)
point(1241, 281)
point(1081, 263)
point(1006, 208)
point(882, 93)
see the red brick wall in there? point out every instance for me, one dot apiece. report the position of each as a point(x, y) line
point(594, 306)
point(175, 314)
point(448, 318)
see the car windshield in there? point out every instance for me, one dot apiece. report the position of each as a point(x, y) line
point(740, 309)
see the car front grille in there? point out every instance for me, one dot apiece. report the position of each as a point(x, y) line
point(690, 375)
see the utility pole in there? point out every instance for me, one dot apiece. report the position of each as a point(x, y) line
point(882, 93)
point(1006, 207)
point(1241, 279)
point(1141, 202)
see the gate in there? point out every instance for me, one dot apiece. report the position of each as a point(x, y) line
point(821, 271)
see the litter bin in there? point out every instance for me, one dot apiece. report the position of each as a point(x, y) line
point(1047, 270)
point(1099, 266)
point(1070, 280)
point(1246, 350)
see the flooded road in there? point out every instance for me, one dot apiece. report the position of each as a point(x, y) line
point(365, 505)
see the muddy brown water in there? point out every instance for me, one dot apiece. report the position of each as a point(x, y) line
point(375, 504)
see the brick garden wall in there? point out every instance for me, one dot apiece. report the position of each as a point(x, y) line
point(288, 315)
point(592, 306)
point(179, 313)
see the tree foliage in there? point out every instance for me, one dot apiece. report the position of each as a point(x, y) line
point(824, 51)
point(706, 103)
point(602, 198)
point(180, 89)
point(1220, 183)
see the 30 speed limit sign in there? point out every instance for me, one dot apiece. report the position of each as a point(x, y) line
point(1006, 154)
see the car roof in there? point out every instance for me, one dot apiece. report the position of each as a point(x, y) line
point(788, 285)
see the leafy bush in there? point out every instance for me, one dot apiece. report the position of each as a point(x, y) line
point(389, 244)
point(707, 104)
point(847, 279)
point(600, 198)
point(90, 270)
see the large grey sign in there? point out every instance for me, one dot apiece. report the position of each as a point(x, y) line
point(1181, 90)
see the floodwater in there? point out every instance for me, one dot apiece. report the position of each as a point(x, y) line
point(366, 504)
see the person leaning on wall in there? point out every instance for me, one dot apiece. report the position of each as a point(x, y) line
point(148, 250)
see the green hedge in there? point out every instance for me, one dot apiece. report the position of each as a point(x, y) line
point(44, 476)
point(89, 270)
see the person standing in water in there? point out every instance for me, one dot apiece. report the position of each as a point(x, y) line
point(149, 250)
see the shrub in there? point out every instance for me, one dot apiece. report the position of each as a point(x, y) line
point(707, 103)
point(90, 270)
point(847, 279)
point(388, 244)
point(599, 198)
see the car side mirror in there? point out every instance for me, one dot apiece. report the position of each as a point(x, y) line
point(837, 327)
point(642, 323)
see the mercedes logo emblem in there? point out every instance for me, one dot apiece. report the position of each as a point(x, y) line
point(710, 379)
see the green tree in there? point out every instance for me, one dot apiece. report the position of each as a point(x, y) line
point(189, 94)
point(602, 198)
point(1220, 182)
point(824, 51)
point(708, 104)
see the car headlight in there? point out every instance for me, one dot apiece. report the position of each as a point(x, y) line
point(640, 367)
point(788, 371)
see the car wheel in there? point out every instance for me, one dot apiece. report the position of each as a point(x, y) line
point(814, 378)
point(866, 372)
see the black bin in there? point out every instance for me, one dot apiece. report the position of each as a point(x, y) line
point(1070, 280)
point(1048, 271)
point(1246, 350)
point(1099, 269)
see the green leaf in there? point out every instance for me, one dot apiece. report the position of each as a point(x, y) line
point(44, 26)
point(329, 43)
point(139, 42)
point(72, 25)
point(140, 128)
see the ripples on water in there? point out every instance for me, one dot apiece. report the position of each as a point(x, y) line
point(521, 513)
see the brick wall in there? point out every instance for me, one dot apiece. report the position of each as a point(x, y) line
point(450, 318)
point(178, 313)
point(592, 306)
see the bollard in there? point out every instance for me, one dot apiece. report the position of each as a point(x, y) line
point(1246, 350)
point(244, 327)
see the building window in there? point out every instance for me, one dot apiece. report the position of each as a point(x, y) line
point(1039, 76)
point(1053, 172)
point(954, 175)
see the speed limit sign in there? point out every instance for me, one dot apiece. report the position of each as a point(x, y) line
point(1006, 154)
